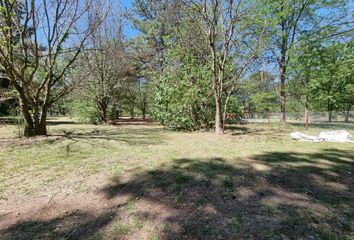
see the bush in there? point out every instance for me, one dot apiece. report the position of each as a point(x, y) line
point(183, 95)
point(84, 111)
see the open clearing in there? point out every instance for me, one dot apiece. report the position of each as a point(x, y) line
point(145, 182)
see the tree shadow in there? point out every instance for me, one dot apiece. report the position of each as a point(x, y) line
point(71, 226)
point(97, 137)
point(134, 121)
point(255, 130)
point(276, 195)
point(139, 136)
point(216, 199)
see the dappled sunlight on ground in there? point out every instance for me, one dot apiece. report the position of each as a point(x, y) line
point(144, 182)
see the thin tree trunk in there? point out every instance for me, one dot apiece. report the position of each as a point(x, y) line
point(306, 107)
point(282, 95)
point(104, 113)
point(143, 108)
point(329, 116)
point(282, 65)
point(329, 109)
point(218, 116)
point(132, 112)
point(347, 113)
point(144, 113)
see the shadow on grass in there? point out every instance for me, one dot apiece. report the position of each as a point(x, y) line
point(73, 226)
point(98, 137)
point(214, 199)
point(256, 130)
point(138, 136)
point(276, 195)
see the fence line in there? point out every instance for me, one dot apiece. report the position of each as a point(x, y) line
point(302, 118)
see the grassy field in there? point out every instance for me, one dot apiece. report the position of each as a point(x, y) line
point(145, 182)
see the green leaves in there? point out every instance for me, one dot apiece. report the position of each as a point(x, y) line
point(183, 93)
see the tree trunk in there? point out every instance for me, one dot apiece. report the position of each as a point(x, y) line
point(329, 109)
point(218, 116)
point(104, 114)
point(117, 112)
point(41, 128)
point(143, 108)
point(33, 126)
point(144, 113)
point(282, 95)
point(103, 111)
point(306, 106)
point(282, 66)
point(347, 113)
point(28, 130)
point(132, 112)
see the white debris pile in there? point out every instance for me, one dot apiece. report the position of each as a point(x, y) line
point(329, 136)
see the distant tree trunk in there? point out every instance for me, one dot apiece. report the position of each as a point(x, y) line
point(132, 112)
point(143, 107)
point(282, 88)
point(143, 110)
point(115, 113)
point(329, 116)
point(306, 104)
point(329, 109)
point(103, 111)
point(347, 112)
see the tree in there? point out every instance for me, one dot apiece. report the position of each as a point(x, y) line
point(293, 19)
point(332, 85)
point(257, 93)
point(144, 92)
point(303, 71)
point(39, 44)
point(234, 32)
point(109, 64)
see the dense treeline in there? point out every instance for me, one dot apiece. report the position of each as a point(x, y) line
point(192, 64)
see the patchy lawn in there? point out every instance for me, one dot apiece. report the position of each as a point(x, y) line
point(134, 181)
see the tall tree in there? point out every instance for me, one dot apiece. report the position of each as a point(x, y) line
point(108, 63)
point(292, 20)
point(40, 40)
point(334, 78)
point(234, 32)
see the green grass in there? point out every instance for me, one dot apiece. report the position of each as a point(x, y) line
point(253, 182)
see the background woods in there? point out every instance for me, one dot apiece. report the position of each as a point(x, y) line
point(188, 64)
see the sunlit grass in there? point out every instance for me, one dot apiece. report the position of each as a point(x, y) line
point(190, 169)
point(84, 150)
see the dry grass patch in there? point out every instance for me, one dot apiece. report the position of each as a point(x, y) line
point(136, 181)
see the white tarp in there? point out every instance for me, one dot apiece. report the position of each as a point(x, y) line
point(329, 136)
